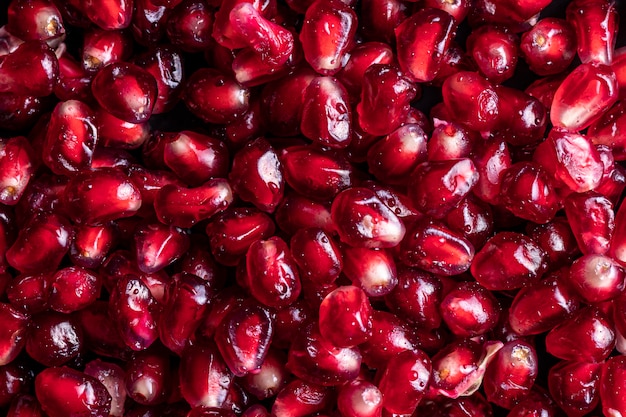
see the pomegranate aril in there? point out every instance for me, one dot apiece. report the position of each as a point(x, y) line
point(101, 335)
point(204, 377)
point(25, 406)
point(597, 278)
point(297, 212)
point(404, 380)
point(74, 83)
point(72, 289)
point(215, 97)
point(537, 403)
point(539, 307)
point(386, 90)
point(54, 339)
point(390, 336)
point(345, 317)
point(148, 377)
point(557, 241)
point(435, 248)
point(272, 274)
point(583, 96)
point(328, 172)
point(472, 100)
point(317, 255)
point(300, 398)
point(523, 118)
point(134, 311)
point(393, 158)
point(188, 300)
point(595, 24)
point(271, 377)
point(612, 386)
point(91, 245)
point(257, 175)
point(491, 162)
point(13, 332)
point(38, 20)
point(102, 47)
point(586, 336)
point(361, 58)
point(449, 140)
point(157, 246)
point(64, 391)
point(184, 207)
point(112, 377)
point(549, 47)
point(416, 297)
point(289, 321)
point(363, 220)
point(469, 310)
point(43, 68)
point(148, 22)
point(435, 187)
point(16, 379)
point(327, 35)
point(189, 25)
point(17, 166)
point(512, 373)
point(372, 270)
point(575, 386)
point(41, 244)
point(591, 217)
point(495, 52)
point(474, 405)
point(429, 32)
point(315, 360)
point(360, 398)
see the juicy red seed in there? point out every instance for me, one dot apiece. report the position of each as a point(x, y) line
point(595, 23)
point(523, 118)
point(416, 297)
point(360, 399)
point(413, 368)
point(300, 398)
point(586, 336)
point(14, 332)
point(126, 91)
point(64, 391)
point(112, 377)
point(158, 246)
point(612, 386)
point(364, 221)
point(271, 378)
point(35, 20)
point(17, 166)
point(345, 317)
point(54, 339)
point(495, 52)
point(435, 187)
point(101, 47)
point(469, 310)
point(204, 377)
point(390, 336)
point(29, 293)
point(450, 141)
point(272, 274)
point(317, 255)
point(43, 70)
point(597, 278)
point(557, 240)
point(147, 377)
point(189, 25)
point(327, 35)
point(593, 237)
point(549, 47)
point(91, 245)
point(575, 386)
point(315, 360)
point(472, 100)
point(385, 91)
point(490, 163)
point(435, 248)
point(16, 379)
point(72, 289)
point(429, 32)
point(243, 338)
point(373, 270)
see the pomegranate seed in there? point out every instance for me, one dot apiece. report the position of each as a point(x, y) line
point(586, 336)
point(557, 240)
point(401, 396)
point(474, 99)
point(495, 52)
point(148, 21)
point(101, 335)
point(390, 336)
point(416, 297)
point(101, 47)
point(189, 25)
point(449, 140)
point(612, 386)
point(43, 70)
point(595, 23)
point(571, 159)
point(361, 58)
point(511, 374)
point(385, 91)
point(490, 163)
point(469, 310)
point(300, 398)
point(549, 47)
point(147, 377)
point(362, 220)
point(64, 391)
point(188, 300)
point(296, 212)
point(184, 207)
point(317, 255)
point(91, 245)
point(474, 405)
point(74, 83)
point(373, 270)
point(538, 403)
point(204, 377)
point(29, 293)
point(345, 317)
point(41, 244)
point(72, 289)
point(271, 378)
point(112, 377)
point(575, 386)
point(315, 360)
point(35, 20)
point(54, 339)
point(215, 97)
point(429, 31)
point(289, 321)
point(539, 307)
point(25, 406)
point(17, 166)
point(14, 333)
point(360, 398)
point(435, 248)
point(522, 118)
point(15, 381)
point(595, 88)
point(243, 338)
point(133, 309)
